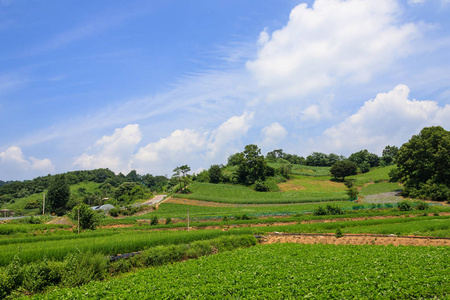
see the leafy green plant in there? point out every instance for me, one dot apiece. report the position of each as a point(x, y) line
point(405, 205)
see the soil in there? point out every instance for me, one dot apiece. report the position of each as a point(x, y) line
point(61, 221)
point(351, 239)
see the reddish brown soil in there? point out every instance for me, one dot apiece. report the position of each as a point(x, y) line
point(350, 239)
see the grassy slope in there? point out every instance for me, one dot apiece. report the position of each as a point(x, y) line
point(300, 189)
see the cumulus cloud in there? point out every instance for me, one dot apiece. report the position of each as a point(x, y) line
point(334, 40)
point(232, 129)
point(15, 165)
point(112, 151)
point(273, 135)
point(188, 146)
point(389, 119)
point(176, 149)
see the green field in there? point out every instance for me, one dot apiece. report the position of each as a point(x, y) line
point(174, 210)
point(226, 193)
point(286, 271)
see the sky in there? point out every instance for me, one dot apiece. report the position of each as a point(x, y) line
point(152, 85)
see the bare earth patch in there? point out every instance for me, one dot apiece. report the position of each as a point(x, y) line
point(61, 221)
point(351, 239)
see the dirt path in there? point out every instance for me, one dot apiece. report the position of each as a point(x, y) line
point(352, 239)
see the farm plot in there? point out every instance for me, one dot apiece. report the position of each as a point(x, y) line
point(286, 271)
point(236, 194)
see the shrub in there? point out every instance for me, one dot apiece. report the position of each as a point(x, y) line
point(405, 205)
point(154, 220)
point(338, 233)
point(114, 212)
point(81, 268)
point(89, 219)
point(168, 220)
point(333, 210)
point(320, 211)
point(352, 193)
point(261, 186)
point(421, 205)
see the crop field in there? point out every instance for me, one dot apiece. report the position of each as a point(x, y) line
point(437, 226)
point(107, 244)
point(175, 210)
point(226, 193)
point(286, 271)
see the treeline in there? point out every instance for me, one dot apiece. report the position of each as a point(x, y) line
point(364, 159)
point(111, 185)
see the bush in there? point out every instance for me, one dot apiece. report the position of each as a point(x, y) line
point(114, 212)
point(81, 268)
point(168, 220)
point(421, 205)
point(154, 220)
point(405, 205)
point(320, 211)
point(338, 233)
point(261, 186)
point(328, 210)
point(89, 219)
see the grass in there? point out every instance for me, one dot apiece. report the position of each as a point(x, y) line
point(375, 175)
point(238, 194)
point(305, 170)
point(123, 242)
point(174, 210)
point(381, 187)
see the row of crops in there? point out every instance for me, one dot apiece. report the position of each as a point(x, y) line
point(110, 242)
point(287, 271)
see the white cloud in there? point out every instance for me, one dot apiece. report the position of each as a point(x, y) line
point(389, 119)
point(179, 148)
point(332, 41)
point(15, 165)
point(231, 130)
point(273, 135)
point(112, 151)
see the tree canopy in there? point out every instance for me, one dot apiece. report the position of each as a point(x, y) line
point(343, 168)
point(424, 164)
point(253, 166)
point(58, 194)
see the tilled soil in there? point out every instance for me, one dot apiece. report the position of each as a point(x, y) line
point(351, 239)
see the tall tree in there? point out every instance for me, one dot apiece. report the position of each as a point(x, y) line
point(215, 174)
point(388, 156)
point(58, 194)
point(424, 164)
point(253, 166)
point(343, 168)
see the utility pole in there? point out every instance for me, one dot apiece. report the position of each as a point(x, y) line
point(188, 219)
point(43, 205)
point(78, 219)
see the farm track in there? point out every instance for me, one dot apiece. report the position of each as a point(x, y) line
point(355, 239)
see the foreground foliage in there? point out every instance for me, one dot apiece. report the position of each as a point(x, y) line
point(281, 271)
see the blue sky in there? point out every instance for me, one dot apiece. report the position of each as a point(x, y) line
point(151, 85)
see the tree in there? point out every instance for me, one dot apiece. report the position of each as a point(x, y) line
point(180, 173)
point(253, 166)
point(58, 194)
point(235, 159)
point(215, 174)
point(388, 156)
point(343, 168)
point(89, 219)
point(365, 160)
point(424, 164)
